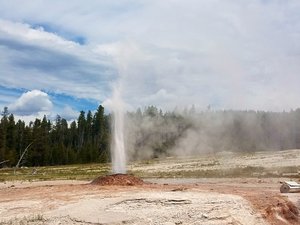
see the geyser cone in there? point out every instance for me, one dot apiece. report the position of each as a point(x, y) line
point(118, 180)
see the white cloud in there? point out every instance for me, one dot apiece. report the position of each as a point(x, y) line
point(52, 62)
point(69, 113)
point(38, 36)
point(33, 102)
point(224, 53)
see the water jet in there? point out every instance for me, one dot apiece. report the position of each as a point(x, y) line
point(118, 153)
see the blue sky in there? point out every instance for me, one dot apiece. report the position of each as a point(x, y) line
point(60, 57)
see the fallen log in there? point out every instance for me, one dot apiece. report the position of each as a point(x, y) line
point(289, 187)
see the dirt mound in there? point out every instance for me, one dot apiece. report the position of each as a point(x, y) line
point(118, 179)
point(284, 211)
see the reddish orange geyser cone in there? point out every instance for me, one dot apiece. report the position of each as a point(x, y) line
point(118, 180)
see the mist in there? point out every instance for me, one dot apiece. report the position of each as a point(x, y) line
point(152, 133)
point(169, 80)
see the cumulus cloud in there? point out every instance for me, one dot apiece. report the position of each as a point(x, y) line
point(32, 102)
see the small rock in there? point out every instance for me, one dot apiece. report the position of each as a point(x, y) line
point(179, 189)
point(204, 216)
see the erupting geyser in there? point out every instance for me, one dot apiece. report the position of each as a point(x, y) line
point(117, 145)
point(119, 176)
point(117, 107)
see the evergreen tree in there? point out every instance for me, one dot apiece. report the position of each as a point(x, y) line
point(101, 134)
point(11, 153)
point(20, 130)
point(81, 128)
point(2, 140)
point(74, 136)
point(3, 133)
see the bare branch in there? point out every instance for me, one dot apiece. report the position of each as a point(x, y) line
point(4, 161)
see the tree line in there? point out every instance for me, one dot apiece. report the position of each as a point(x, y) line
point(149, 133)
point(55, 142)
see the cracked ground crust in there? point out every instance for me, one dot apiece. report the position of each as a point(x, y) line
point(147, 204)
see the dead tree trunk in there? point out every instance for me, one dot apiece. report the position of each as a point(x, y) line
point(21, 157)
